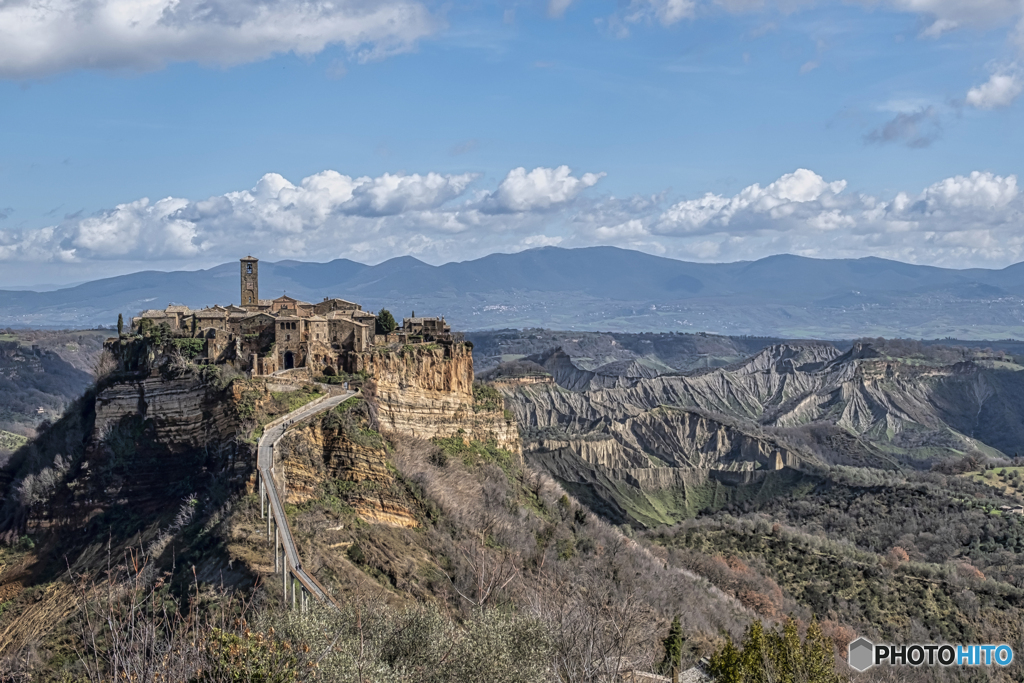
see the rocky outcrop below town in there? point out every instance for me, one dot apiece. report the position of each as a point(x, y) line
point(338, 447)
point(426, 391)
point(184, 413)
point(151, 441)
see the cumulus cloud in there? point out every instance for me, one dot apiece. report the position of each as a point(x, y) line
point(43, 38)
point(976, 191)
point(539, 189)
point(976, 219)
point(959, 221)
point(373, 216)
point(794, 195)
point(999, 91)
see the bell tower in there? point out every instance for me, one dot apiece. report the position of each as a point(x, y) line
point(250, 281)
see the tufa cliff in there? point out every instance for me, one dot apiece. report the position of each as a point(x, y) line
point(419, 391)
point(339, 449)
point(426, 391)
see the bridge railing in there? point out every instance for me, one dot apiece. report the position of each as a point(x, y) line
point(279, 533)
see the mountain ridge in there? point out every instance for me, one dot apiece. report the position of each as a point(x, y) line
point(592, 288)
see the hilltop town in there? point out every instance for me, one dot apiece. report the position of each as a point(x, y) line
point(265, 336)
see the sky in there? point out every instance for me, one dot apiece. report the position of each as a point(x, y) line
point(178, 134)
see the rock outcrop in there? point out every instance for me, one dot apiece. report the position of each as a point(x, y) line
point(185, 414)
point(427, 391)
point(315, 452)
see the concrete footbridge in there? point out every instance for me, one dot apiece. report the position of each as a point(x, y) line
point(295, 581)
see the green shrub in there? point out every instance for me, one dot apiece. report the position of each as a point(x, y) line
point(251, 657)
point(486, 398)
point(189, 347)
point(355, 554)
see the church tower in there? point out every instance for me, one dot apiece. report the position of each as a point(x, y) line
point(250, 281)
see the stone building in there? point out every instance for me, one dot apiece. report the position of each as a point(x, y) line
point(267, 336)
point(425, 326)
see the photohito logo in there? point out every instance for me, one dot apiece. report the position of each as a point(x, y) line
point(863, 654)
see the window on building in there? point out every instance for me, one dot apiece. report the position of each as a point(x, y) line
point(248, 268)
point(287, 337)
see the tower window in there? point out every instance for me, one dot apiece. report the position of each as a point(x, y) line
point(248, 268)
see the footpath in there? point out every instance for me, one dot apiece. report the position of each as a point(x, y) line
point(294, 579)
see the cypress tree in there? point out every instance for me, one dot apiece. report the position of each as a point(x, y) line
point(726, 665)
point(120, 324)
point(769, 655)
point(673, 645)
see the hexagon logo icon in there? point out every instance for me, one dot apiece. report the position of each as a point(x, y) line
point(860, 655)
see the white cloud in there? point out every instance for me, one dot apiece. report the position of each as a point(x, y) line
point(541, 188)
point(976, 191)
point(38, 38)
point(631, 229)
point(999, 91)
point(152, 229)
point(975, 219)
point(665, 12)
point(779, 200)
point(536, 241)
point(556, 8)
point(939, 27)
point(372, 216)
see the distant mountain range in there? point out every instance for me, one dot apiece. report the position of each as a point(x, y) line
point(597, 288)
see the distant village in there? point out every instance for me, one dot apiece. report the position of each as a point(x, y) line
point(264, 336)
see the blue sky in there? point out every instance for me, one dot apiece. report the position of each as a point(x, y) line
point(135, 134)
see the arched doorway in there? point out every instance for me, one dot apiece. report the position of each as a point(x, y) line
point(289, 360)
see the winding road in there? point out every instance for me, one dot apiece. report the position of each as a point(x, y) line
point(265, 464)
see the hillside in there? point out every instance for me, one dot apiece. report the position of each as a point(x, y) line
point(570, 509)
point(41, 373)
point(412, 505)
point(598, 288)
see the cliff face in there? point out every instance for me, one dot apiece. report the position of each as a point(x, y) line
point(316, 452)
point(185, 414)
point(427, 392)
point(152, 441)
